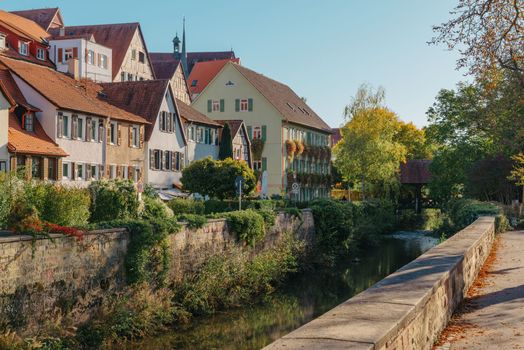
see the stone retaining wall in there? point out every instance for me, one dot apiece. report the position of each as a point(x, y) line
point(55, 278)
point(409, 308)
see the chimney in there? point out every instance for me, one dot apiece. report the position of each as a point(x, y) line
point(62, 31)
point(73, 68)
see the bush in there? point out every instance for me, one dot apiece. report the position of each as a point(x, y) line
point(213, 206)
point(156, 209)
point(65, 206)
point(186, 206)
point(247, 225)
point(464, 212)
point(113, 200)
point(193, 221)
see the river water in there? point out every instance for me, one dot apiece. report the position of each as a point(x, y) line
point(304, 297)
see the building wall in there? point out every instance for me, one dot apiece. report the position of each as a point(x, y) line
point(123, 155)
point(4, 125)
point(133, 66)
point(196, 150)
point(240, 146)
point(179, 86)
point(263, 114)
point(166, 142)
point(86, 70)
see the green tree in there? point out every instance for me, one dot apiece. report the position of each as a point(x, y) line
point(517, 174)
point(216, 178)
point(365, 98)
point(369, 152)
point(414, 139)
point(226, 144)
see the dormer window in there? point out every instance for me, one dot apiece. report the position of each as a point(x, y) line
point(29, 122)
point(2, 42)
point(24, 48)
point(40, 54)
point(194, 83)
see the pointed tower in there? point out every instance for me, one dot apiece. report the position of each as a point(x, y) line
point(176, 47)
point(183, 58)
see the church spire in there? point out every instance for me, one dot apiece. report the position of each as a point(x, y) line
point(183, 57)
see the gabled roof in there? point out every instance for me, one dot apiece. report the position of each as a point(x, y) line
point(23, 27)
point(12, 92)
point(415, 171)
point(115, 36)
point(43, 17)
point(164, 69)
point(36, 142)
point(203, 72)
point(192, 115)
point(143, 98)
point(194, 57)
point(291, 107)
point(66, 93)
point(234, 125)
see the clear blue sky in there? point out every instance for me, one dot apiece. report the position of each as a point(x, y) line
point(323, 49)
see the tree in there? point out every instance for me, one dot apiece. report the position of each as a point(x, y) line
point(365, 98)
point(414, 139)
point(489, 35)
point(226, 144)
point(216, 178)
point(368, 151)
point(517, 174)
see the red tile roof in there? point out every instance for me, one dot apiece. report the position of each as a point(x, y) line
point(143, 98)
point(116, 36)
point(13, 92)
point(291, 107)
point(66, 93)
point(23, 27)
point(35, 143)
point(43, 17)
point(203, 72)
point(415, 171)
point(192, 115)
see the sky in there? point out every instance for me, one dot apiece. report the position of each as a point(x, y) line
point(324, 50)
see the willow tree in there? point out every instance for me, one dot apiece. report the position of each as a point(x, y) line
point(369, 152)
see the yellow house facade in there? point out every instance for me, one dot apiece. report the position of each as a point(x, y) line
point(294, 139)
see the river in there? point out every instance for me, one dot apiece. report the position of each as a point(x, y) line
point(303, 298)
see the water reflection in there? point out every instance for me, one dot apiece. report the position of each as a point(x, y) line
point(305, 297)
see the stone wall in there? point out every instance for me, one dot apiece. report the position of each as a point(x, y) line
point(61, 277)
point(409, 308)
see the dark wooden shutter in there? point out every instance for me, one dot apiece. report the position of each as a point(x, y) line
point(264, 163)
point(141, 136)
point(222, 105)
point(173, 161)
point(209, 106)
point(249, 133)
point(250, 105)
point(73, 171)
point(130, 171)
point(237, 105)
point(108, 139)
point(264, 133)
point(130, 136)
point(75, 52)
point(119, 134)
point(88, 129)
point(60, 56)
point(182, 161)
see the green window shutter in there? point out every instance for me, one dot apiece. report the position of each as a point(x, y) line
point(250, 105)
point(209, 106)
point(237, 105)
point(222, 105)
point(264, 164)
point(249, 134)
point(264, 132)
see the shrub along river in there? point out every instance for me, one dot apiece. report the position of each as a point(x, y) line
point(304, 297)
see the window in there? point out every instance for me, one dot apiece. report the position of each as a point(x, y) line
point(29, 122)
point(257, 132)
point(94, 130)
point(2, 42)
point(3, 165)
point(66, 173)
point(94, 171)
point(90, 57)
point(200, 135)
point(141, 57)
point(194, 83)
point(68, 54)
point(125, 172)
point(123, 76)
point(156, 161)
point(244, 105)
point(80, 171)
point(257, 165)
point(112, 171)
point(103, 61)
point(168, 162)
point(40, 54)
point(129, 77)
point(133, 54)
point(80, 129)
point(65, 126)
point(52, 165)
point(135, 136)
point(114, 133)
point(191, 133)
point(23, 48)
point(216, 106)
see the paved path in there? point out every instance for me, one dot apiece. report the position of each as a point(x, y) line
point(493, 317)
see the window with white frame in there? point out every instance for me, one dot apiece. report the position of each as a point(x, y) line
point(114, 133)
point(68, 54)
point(200, 134)
point(2, 42)
point(191, 133)
point(103, 61)
point(168, 162)
point(135, 136)
point(80, 171)
point(257, 165)
point(80, 128)
point(257, 132)
point(65, 126)
point(40, 54)
point(244, 105)
point(94, 130)
point(216, 106)
point(23, 48)
point(157, 159)
point(91, 57)
point(94, 171)
point(66, 171)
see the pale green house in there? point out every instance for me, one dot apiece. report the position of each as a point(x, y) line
point(296, 141)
